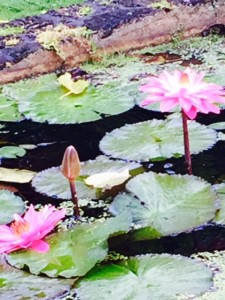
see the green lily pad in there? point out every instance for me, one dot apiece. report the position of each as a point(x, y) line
point(10, 204)
point(168, 204)
point(156, 140)
point(12, 152)
point(52, 183)
point(73, 252)
point(158, 277)
point(217, 126)
point(39, 100)
point(220, 214)
point(18, 285)
point(9, 110)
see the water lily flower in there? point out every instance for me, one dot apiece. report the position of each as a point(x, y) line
point(27, 232)
point(70, 168)
point(185, 88)
point(188, 90)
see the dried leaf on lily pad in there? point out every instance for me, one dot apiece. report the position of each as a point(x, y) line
point(39, 100)
point(10, 204)
point(220, 214)
point(16, 175)
point(73, 252)
point(168, 204)
point(51, 182)
point(156, 140)
point(9, 110)
point(106, 180)
point(74, 87)
point(17, 285)
point(152, 276)
point(12, 152)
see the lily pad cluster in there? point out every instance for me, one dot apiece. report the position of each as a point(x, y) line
point(143, 204)
point(170, 204)
point(44, 99)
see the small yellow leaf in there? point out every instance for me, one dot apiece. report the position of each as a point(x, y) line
point(74, 87)
point(12, 42)
point(16, 175)
point(107, 180)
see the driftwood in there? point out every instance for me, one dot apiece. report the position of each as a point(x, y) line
point(117, 27)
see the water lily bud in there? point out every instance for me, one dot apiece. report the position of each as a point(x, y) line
point(70, 166)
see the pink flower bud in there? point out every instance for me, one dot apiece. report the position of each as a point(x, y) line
point(70, 166)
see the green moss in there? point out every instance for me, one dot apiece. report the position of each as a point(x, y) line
point(8, 30)
point(14, 9)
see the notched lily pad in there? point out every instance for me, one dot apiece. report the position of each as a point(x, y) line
point(9, 110)
point(10, 204)
point(217, 126)
point(52, 183)
point(18, 285)
point(16, 175)
point(168, 204)
point(12, 152)
point(220, 214)
point(72, 252)
point(44, 101)
point(156, 139)
point(158, 277)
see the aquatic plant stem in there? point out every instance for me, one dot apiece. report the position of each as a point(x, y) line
point(186, 143)
point(74, 198)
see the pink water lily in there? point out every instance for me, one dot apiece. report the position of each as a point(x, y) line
point(27, 232)
point(186, 89)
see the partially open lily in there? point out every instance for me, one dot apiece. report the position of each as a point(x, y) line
point(27, 232)
point(188, 90)
point(106, 180)
point(70, 168)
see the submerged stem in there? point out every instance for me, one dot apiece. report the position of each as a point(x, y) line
point(74, 198)
point(186, 144)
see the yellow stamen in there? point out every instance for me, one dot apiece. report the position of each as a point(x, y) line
point(19, 227)
point(184, 80)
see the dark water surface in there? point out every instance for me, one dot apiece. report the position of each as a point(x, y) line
point(53, 140)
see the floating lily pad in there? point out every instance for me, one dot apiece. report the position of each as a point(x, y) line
point(51, 182)
point(217, 126)
point(12, 152)
point(156, 140)
point(18, 285)
point(9, 110)
point(168, 204)
point(10, 204)
point(40, 100)
point(16, 175)
point(158, 277)
point(220, 214)
point(73, 252)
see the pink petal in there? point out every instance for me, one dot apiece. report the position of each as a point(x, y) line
point(166, 106)
point(192, 113)
point(40, 246)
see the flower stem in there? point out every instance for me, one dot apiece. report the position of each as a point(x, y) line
point(186, 144)
point(74, 198)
